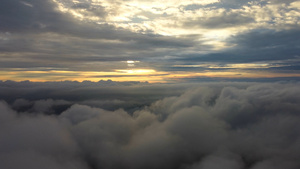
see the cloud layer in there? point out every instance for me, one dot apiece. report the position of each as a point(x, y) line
point(91, 40)
point(208, 126)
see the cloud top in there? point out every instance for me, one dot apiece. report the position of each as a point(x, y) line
point(231, 125)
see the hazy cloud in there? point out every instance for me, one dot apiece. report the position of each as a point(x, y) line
point(214, 125)
point(34, 142)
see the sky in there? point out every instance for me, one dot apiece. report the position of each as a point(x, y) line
point(138, 84)
point(155, 41)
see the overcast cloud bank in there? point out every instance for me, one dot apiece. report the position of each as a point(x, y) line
point(209, 126)
point(90, 40)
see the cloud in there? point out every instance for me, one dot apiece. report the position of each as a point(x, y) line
point(43, 35)
point(272, 39)
point(238, 4)
point(34, 142)
point(278, 49)
point(55, 97)
point(106, 124)
point(35, 16)
point(218, 161)
point(64, 39)
point(209, 125)
point(48, 106)
point(225, 20)
point(281, 1)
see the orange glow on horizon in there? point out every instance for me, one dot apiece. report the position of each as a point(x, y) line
point(150, 75)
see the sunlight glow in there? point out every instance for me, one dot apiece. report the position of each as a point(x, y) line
point(132, 61)
point(149, 75)
point(137, 71)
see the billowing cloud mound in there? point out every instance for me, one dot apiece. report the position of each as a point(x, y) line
point(212, 126)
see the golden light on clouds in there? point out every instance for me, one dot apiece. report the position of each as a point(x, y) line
point(149, 75)
point(231, 66)
point(137, 71)
point(155, 41)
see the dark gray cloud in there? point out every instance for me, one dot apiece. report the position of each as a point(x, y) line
point(267, 39)
point(282, 1)
point(35, 16)
point(42, 16)
point(266, 45)
point(227, 4)
point(209, 126)
point(225, 20)
point(55, 97)
point(66, 51)
point(23, 17)
point(239, 3)
point(91, 10)
point(278, 49)
point(34, 142)
point(36, 34)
